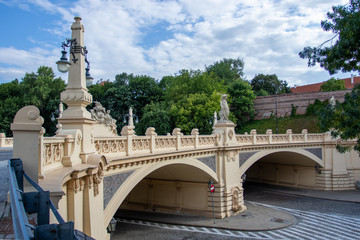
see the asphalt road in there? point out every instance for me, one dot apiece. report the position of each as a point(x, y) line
point(316, 219)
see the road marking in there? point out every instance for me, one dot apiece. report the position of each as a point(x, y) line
point(311, 226)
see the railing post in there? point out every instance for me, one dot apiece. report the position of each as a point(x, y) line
point(2, 139)
point(129, 132)
point(304, 132)
point(269, 133)
point(150, 132)
point(177, 133)
point(253, 133)
point(195, 132)
point(289, 133)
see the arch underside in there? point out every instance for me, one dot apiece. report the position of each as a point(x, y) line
point(162, 178)
point(290, 167)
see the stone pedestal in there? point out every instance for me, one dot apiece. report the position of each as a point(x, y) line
point(27, 131)
point(225, 130)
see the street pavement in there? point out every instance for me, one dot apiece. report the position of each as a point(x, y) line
point(261, 220)
point(308, 226)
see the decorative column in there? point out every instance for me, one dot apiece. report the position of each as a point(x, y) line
point(76, 97)
point(231, 194)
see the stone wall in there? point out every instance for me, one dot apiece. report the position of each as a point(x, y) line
point(266, 106)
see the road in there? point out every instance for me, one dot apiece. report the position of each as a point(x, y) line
point(316, 219)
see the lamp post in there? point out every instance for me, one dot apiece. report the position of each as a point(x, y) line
point(75, 118)
point(131, 116)
point(276, 114)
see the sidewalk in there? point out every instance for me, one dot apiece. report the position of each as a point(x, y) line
point(352, 196)
point(255, 218)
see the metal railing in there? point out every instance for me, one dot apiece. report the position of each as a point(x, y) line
point(23, 203)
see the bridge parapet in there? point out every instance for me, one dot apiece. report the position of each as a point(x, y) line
point(5, 141)
point(152, 143)
point(253, 138)
point(53, 153)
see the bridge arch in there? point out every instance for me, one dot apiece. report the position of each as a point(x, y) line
point(260, 155)
point(135, 178)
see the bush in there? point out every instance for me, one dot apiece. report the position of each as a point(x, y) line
point(314, 108)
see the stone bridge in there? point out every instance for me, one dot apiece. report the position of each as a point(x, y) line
point(91, 171)
point(171, 173)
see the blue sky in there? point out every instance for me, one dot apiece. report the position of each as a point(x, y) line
point(159, 38)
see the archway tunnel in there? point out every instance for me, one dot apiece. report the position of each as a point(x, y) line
point(285, 168)
point(175, 188)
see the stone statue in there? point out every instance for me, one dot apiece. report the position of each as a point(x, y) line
point(224, 112)
point(332, 102)
point(100, 114)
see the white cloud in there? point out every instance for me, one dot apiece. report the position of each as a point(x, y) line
point(267, 34)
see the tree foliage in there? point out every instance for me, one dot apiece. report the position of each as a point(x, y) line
point(242, 101)
point(193, 96)
point(128, 90)
point(41, 89)
point(186, 100)
point(333, 84)
point(343, 119)
point(270, 84)
point(343, 55)
point(155, 115)
point(228, 70)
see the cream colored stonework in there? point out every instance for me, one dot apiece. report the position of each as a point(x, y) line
point(91, 171)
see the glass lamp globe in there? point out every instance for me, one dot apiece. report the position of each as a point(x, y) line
point(63, 66)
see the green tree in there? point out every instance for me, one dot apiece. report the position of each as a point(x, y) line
point(268, 83)
point(128, 90)
point(333, 84)
point(228, 69)
point(155, 115)
point(343, 55)
point(195, 111)
point(190, 82)
point(193, 96)
point(242, 102)
point(42, 89)
point(144, 90)
point(10, 102)
point(343, 119)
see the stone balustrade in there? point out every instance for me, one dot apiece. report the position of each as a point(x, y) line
point(253, 138)
point(5, 141)
point(53, 153)
point(57, 151)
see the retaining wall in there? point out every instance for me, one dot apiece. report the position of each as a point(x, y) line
point(266, 106)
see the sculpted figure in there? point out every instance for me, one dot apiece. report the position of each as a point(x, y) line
point(332, 102)
point(100, 114)
point(224, 112)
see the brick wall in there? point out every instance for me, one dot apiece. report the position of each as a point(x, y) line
point(265, 106)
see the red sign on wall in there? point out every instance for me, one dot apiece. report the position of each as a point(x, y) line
point(212, 188)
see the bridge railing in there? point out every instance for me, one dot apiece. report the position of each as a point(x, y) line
point(5, 141)
point(54, 149)
point(39, 202)
point(253, 138)
point(152, 143)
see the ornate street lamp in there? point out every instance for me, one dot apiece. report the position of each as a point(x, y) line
point(63, 65)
